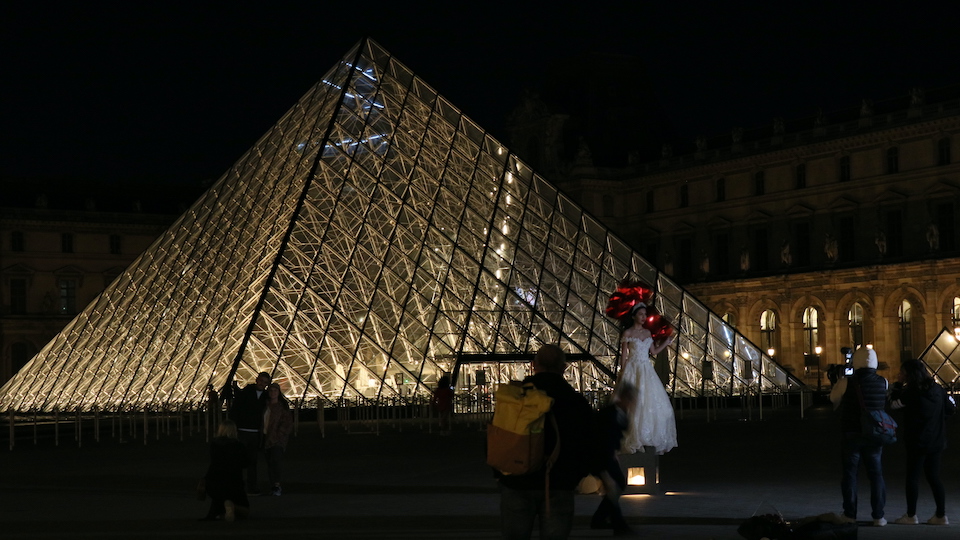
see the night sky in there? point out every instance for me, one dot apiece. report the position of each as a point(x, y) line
point(174, 92)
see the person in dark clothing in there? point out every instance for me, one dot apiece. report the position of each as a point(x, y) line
point(249, 405)
point(224, 478)
point(443, 402)
point(612, 422)
point(277, 426)
point(862, 390)
point(925, 405)
point(525, 497)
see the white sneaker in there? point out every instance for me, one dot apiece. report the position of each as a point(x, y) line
point(907, 519)
point(879, 522)
point(936, 520)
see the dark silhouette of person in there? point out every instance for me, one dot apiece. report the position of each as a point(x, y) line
point(277, 425)
point(443, 401)
point(524, 497)
point(925, 405)
point(224, 478)
point(249, 405)
point(612, 421)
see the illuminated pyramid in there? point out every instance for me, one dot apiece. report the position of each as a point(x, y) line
point(370, 239)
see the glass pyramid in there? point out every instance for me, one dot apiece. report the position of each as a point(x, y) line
point(370, 239)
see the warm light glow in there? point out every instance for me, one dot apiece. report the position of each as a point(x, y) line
point(818, 349)
point(956, 333)
point(685, 355)
point(726, 353)
point(770, 351)
point(635, 476)
point(869, 345)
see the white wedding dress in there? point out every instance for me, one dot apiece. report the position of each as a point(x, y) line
point(652, 423)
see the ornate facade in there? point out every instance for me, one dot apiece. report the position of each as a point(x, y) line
point(55, 258)
point(832, 231)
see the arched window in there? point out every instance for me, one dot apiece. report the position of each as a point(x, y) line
point(906, 340)
point(811, 330)
point(731, 319)
point(855, 317)
point(721, 189)
point(684, 196)
point(768, 330)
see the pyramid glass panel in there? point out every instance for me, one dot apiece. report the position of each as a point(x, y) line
point(367, 243)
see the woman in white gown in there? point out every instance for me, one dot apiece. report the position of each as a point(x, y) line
point(653, 422)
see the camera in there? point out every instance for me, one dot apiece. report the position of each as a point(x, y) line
point(847, 353)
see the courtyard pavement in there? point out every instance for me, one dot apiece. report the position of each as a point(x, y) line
point(412, 482)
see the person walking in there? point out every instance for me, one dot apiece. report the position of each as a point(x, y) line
point(612, 422)
point(925, 405)
point(524, 497)
point(278, 424)
point(865, 389)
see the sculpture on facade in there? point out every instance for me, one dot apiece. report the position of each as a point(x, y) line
point(830, 248)
point(933, 237)
point(881, 242)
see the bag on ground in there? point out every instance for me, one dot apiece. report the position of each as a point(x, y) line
point(515, 438)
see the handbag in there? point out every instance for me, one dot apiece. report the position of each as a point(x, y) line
point(876, 426)
point(202, 488)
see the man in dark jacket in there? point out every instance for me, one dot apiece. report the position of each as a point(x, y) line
point(524, 497)
point(247, 412)
point(863, 390)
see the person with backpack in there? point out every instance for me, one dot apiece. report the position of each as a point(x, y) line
point(864, 390)
point(925, 406)
point(548, 492)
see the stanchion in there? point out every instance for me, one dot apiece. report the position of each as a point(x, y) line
point(77, 425)
point(12, 416)
point(56, 426)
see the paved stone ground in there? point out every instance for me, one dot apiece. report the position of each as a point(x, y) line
point(408, 482)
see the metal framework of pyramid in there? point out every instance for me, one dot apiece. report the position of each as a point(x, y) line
point(370, 239)
point(942, 356)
